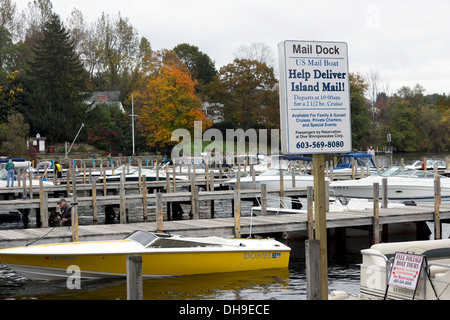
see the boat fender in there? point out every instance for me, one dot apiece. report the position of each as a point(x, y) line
point(242, 245)
point(337, 295)
point(410, 203)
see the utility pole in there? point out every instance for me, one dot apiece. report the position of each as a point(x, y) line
point(132, 120)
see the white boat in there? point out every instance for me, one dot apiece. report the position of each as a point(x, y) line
point(271, 177)
point(150, 174)
point(35, 182)
point(162, 255)
point(419, 165)
point(377, 264)
point(363, 165)
point(335, 205)
point(127, 169)
point(403, 184)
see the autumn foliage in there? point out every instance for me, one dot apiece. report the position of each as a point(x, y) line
point(166, 101)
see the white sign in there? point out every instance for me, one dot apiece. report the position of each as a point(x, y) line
point(405, 270)
point(314, 97)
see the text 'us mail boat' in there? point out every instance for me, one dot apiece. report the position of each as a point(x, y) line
point(162, 255)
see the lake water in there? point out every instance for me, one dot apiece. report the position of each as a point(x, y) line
point(285, 284)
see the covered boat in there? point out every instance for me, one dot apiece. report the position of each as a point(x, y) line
point(162, 255)
point(363, 163)
point(434, 284)
point(271, 177)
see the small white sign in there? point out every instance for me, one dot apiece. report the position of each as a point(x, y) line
point(314, 97)
point(405, 271)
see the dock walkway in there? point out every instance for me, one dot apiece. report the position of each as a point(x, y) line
point(258, 225)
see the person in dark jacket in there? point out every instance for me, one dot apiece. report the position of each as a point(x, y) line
point(65, 215)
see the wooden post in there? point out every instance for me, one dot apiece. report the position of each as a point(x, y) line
point(30, 177)
point(94, 203)
point(24, 186)
point(293, 176)
point(195, 203)
point(437, 218)
point(43, 204)
point(376, 213)
point(174, 178)
point(105, 190)
point(140, 175)
point(207, 177)
point(159, 213)
point(309, 198)
point(144, 198)
point(263, 199)
point(384, 192)
point(238, 178)
point(237, 213)
point(252, 172)
point(320, 219)
point(312, 257)
point(281, 188)
point(134, 278)
point(122, 199)
point(74, 209)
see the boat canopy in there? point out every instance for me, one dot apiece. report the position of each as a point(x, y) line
point(295, 158)
point(362, 159)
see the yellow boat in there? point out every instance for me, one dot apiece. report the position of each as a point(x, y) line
point(162, 255)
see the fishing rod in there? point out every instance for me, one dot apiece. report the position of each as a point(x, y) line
point(73, 205)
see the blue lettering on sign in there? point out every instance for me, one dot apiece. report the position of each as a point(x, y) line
point(262, 255)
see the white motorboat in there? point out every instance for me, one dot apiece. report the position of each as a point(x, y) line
point(35, 182)
point(376, 269)
point(271, 177)
point(162, 255)
point(127, 169)
point(431, 164)
point(403, 184)
point(150, 174)
point(335, 205)
point(359, 163)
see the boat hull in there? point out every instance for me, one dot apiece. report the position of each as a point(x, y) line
point(170, 262)
point(408, 190)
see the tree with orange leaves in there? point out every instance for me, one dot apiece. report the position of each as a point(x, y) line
point(166, 100)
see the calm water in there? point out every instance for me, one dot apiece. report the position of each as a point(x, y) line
point(285, 284)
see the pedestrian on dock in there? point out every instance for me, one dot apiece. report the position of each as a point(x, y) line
point(65, 215)
point(58, 169)
point(10, 169)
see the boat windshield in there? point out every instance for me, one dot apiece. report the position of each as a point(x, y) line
point(406, 173)
point(276, 173)
point(180, 243)
point(142, 237)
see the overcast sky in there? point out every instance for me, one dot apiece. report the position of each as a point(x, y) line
point(406, 42)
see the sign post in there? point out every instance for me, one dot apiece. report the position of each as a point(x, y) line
point(315, 115)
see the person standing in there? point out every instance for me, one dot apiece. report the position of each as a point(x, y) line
point(65, 215)
point(58, 172)
point(371, 151)
point(10, 169)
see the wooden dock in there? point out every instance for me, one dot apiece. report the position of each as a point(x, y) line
point(256, 225)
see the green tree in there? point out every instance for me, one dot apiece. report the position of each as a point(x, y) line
point(199, 64)
point(246, 94)
point(360, 109)
point(107, 127)
point(14, 134)
point(55, 82)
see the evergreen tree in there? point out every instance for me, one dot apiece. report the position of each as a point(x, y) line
point(55, 81)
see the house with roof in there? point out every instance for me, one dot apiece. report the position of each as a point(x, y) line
point(104, 97)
